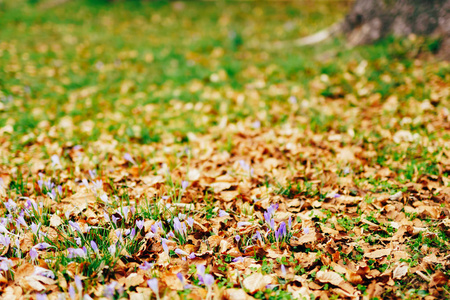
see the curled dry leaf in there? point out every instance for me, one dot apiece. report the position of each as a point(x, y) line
point(329, 277)
point(36, 282)
point(439, 279)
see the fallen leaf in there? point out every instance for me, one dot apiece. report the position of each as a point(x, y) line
point(400, 271)
point(236, 294)
point(329, 277)
point(256, 282)
point(378, 253)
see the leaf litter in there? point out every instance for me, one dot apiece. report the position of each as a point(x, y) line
point(322, 193)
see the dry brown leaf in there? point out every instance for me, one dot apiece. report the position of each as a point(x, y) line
point(229, 195)
point(55, 221)
point(36, 282)
point(214, 241)
point(378, 253)
point(23, 270)
point(256, 282)
point(329, 277)
point(172, 281)
point(193, 175)
point(304, 239)
point(236, 294)
point(133, 279)
point(439, 279)
point(221, 186)
point(400, 271)
point(138, 296)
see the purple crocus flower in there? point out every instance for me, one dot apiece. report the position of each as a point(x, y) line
point(140, 224)
point(258, 236)
point(177, 225)
point(60, 191)
point(272, 224)
point(200, 273)
point(272, 208)
point(129, 158)
point(190, 221)
point(201, 270)
point(110, 290)
point(208, 279)
point(267, 216)
point(42, 246)
point(33, 254)
point(146, 266)
point(154, 228)
point(78, 283)
point(184, 184)
point(72, 293)
point(75, 226)
point(5, 240)
point(106, 216)
point(306, 230)
point(104, 198)
point(52, 195)
point(181, 252)
point(10, 205)
point(191, 256)
point(282, 230)
point(180, 277)
point(41, 296)
point(237, 238)
point(85, 183)
point(21, 221)
point(153, 284)
point(238, 259)
point(43, 272)
point(55, 160)
point(242, 224)
point(164, 245)
point(223, 213)
point(93, 174)
point(34, 228)
point(94, 246)
point(244, 165)
point(112, 249)
point(76, 252)
point(132, 233)
point(290, 223)
point(283, 270)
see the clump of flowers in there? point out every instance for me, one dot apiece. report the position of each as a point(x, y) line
point(282, 232)
point(181, 227)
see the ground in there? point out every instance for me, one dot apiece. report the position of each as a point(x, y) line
point(172, 150)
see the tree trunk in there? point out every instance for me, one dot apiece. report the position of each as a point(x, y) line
point(371, 20)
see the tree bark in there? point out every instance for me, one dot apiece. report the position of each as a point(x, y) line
point(371, 20)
